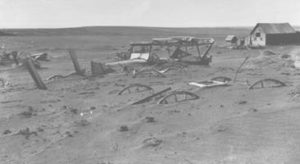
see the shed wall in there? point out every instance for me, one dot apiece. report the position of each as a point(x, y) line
point(257, 41)
point(283, 39)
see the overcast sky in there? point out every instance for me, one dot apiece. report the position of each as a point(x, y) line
point(162, 13)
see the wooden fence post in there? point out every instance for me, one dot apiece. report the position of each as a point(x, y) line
point(34, 74)
point(74, 59)
point(97, 69)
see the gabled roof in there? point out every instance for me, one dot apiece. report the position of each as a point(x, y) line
point(275, 28)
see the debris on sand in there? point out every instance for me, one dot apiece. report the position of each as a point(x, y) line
point(252, 110)
point(295, 93)
point(7, 132)
point(55, 77)
point(269, 53)
point(221, 79)
point(170, 65)
point(3, 82)
point(149, 119)
point(40, 56)
point(295, 57)
point(69, 134)
point(151, 142)
point(208, 84)
point(7, 58)
point(28, 113)
point(150, 72)
point(123, 128)
point(82, 123)
point(19, 58)
point(267, 83)
point(74, 110)
point(214, 82)
point(26, 133)
point(242, 102)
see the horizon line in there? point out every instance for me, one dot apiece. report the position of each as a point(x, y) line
point(70, 27)
point(88, 26)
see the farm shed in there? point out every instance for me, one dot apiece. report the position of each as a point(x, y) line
point(231, 39)
point(264, 34)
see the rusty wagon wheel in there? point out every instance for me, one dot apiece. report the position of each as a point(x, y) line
point(178, 96)
point(135, 88)
point(271, 83)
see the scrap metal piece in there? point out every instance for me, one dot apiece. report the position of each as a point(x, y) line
point(263, 83)
point(137, 88)
point(40, 56)
point(152, 96)
point(208, 84)
point(178, 96)
point(55, 77)
point(168, 66)
point(150, 72)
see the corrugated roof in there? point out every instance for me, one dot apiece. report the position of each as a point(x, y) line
point(275, 28)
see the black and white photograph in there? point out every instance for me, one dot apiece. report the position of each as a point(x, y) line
point(149, 81)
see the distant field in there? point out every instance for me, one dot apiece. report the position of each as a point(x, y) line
point(105, 38)
point(124, 31)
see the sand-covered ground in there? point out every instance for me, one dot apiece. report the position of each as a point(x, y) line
point(83, 120)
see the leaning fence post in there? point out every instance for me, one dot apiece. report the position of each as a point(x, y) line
point(238, 70)
point(75, 62)
point(34, 74)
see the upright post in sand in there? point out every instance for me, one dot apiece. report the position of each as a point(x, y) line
point(75, 62)
point(97, 69)
point(34, 74)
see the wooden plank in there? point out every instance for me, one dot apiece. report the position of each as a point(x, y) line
point(152, 96)
point(74, 59)
point(127, 62)
point(34, 74)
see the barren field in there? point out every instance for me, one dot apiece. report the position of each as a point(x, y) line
point(83, 120)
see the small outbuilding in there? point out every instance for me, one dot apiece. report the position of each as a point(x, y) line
point(264, 34)
point(232, 39)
